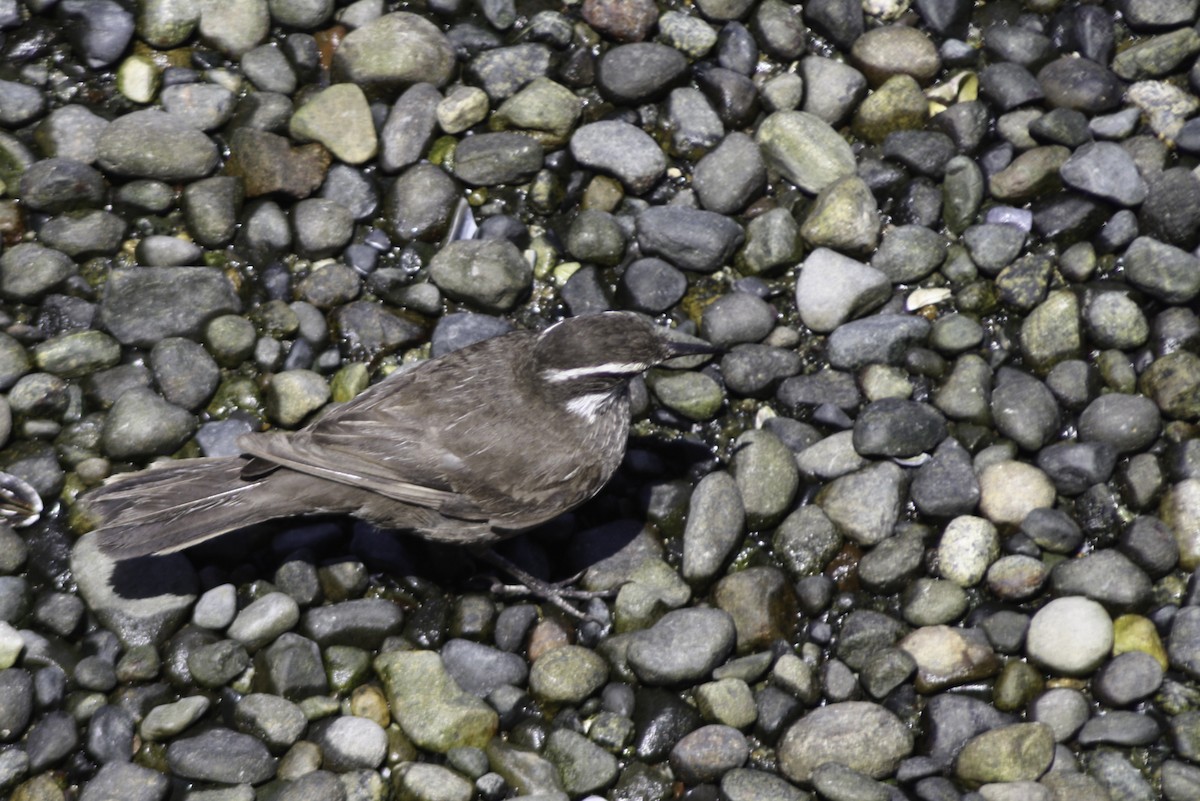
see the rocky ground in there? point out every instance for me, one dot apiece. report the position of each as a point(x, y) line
point(925, 530)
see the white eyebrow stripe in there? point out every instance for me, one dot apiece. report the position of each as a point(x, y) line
point(609, 368)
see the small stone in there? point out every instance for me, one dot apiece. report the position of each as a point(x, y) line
point(1070, 636)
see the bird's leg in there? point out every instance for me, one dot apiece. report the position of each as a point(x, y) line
point(555, 593)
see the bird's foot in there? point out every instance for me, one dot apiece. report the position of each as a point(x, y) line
point(556, 593)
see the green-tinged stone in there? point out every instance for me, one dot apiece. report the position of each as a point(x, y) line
point(349, 381)
point(897, 105)
point(77, 354)
point(696, 396)
point(236, 393)
point(419, 781)
point(1018, 684)
point(1051, 333)
point(429, 706)
point(1137, 633)
point(653, 590)
point(1173, 382)
point(346, 667)
point(804, 149)
point(525, 771)
point(1019, 752)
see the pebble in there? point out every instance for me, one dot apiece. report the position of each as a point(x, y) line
point(685, 644)
point(1019, 752)
point(862, 736)
point(352, 743)
point(865, 504)
point(223, 756)
point(708, 753)
point(265, 619)
point(127, 780)
point(691, 239)
point(155, 144)
point(489, 274)
point(1070, 636)
point(276, 721)
point(736, 318)
point(393, 51)
point(430, 708)
point(834, 288)
point(1010, 490)
point(804, 149)
point(968, 547)
point(715, 523)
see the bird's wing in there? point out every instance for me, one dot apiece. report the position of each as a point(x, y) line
point(369, 465)
point(390, 440)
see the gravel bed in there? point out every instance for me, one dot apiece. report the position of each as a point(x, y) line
point(926, 529)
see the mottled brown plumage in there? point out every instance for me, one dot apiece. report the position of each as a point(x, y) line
point(468, 448)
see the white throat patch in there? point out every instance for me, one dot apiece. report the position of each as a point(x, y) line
point(589, 406)
point(608, 368)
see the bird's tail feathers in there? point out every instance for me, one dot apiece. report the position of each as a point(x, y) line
point(166, 509)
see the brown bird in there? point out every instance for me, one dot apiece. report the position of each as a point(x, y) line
point(470, 448)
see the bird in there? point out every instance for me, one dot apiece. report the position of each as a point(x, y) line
point(471, 448)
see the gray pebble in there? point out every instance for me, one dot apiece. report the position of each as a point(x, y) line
point(221, 755)
point(639, 72)
point(731, 175)
point(691, 239)
point(621, 149)
point(1129, 423)
point(881, 339)
point(898, 428)
point(128, 781)
point(479, 669)
point(143, 305)
point(862, 736)
point(833, 288)
point(708, 753)
point(715, 523)
point(142, 424)
point(274, 720)
point(736, 318)
point(352, 743)
point(1106, 576)
point(264, 620)
point(497, 158)
point(684, 645)
point(155, 144)
point(490, 274)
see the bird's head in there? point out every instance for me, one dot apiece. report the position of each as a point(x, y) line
point(598, 353)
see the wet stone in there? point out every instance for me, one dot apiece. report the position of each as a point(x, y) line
point(639, 72)
point(1106, 576)
point(691, 239)
point(708, 753)
point(736, 318)
point(731, 175)
point(497, 158)
point(223, 756)
point(1020, 752)
point(621, 149)
point(155, 144)
point(395, 50)
point(804, 149)
point(865, 504)
point(684, 645)
point(834, 288)
point(898, 428)
point(489, 274)
point(1070, 636)
point(1129, 423)
point(862, 736)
